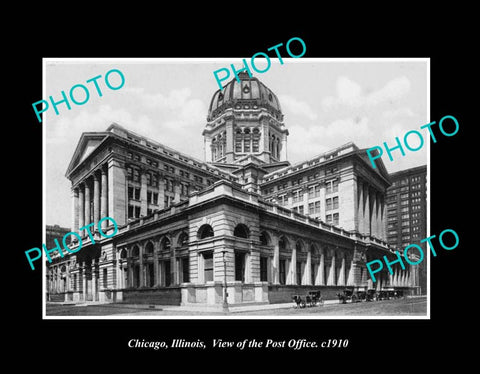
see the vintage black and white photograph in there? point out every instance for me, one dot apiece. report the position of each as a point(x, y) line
point(291, 192)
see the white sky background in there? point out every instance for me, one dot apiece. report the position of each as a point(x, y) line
point(325, 104)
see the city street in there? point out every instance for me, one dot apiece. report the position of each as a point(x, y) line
point(400, 307)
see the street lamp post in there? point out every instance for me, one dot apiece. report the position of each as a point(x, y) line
point(225, 294)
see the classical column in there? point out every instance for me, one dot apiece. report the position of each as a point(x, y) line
point(156, 281)
point(142, 272)
point(292, 274)
point(81, 206)
point(96, 198)
point(373, 220)
point(104, 198)
point(361, 225)
point(379, 216)
point(74, 226)
point(341, 276)
point(88, 218)
point(176, 190)
point(276, 262)
point(320, 279)
point(351, 274)
point(366, 211)
point(84, 280)
point(383, 219)
point(143, 193)
point(161, 191)
point(117, 204)
point(94, 280)
point(331, 273)
point(308, 269)
point(173, 266)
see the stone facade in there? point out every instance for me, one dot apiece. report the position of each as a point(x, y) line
point(245, 222)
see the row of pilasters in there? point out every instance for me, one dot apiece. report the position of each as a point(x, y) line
point(324, 271)
point(371, 210)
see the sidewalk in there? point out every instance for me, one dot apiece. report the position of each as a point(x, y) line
point(203, 308)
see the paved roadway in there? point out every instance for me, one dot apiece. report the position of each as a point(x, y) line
point(416, 306)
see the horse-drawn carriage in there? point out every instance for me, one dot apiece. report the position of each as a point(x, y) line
point(352, 295)
point(311, 299)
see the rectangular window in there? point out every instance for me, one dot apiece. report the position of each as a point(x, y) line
point(208, 266)
point(263, 269)
point(136, 175)
point(336, 219)
point(281, 272)
point(137, 193)
point(332, 186)
point(317, 206)
point(149, 197)
point(311, 192)
point(185, 269)
point(255, 144)
point(240, 267)
point(130, 211)
point(335, 202)
point(297, 196)
point(168, 275)
point(155, 198)
point(137, 212)
point(300, 209)
point(311, 208)
point(317, 190)
point(105, 278)
point(328, 204)
point(329, 219)
point(299, 272)
point(130, 192)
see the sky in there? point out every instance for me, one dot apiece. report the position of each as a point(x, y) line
point(326, 103)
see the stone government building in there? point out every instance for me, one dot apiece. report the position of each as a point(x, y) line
point(271, 229)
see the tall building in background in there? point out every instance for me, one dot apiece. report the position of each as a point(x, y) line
point(244, 219)
point(407, 214)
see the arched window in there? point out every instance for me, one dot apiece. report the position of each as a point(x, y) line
point(241, 231)
point(238, 141)
point(246, 140)
point(123, 253)
point(255, 140)
point(149, 248)
point(204, 231)
point(299, 246)
point(264, 238)
point(282, 243)
point(183, 239)
point(165, 244)
point(135, 251)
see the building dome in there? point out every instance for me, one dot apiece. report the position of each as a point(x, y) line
point(247, 94)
